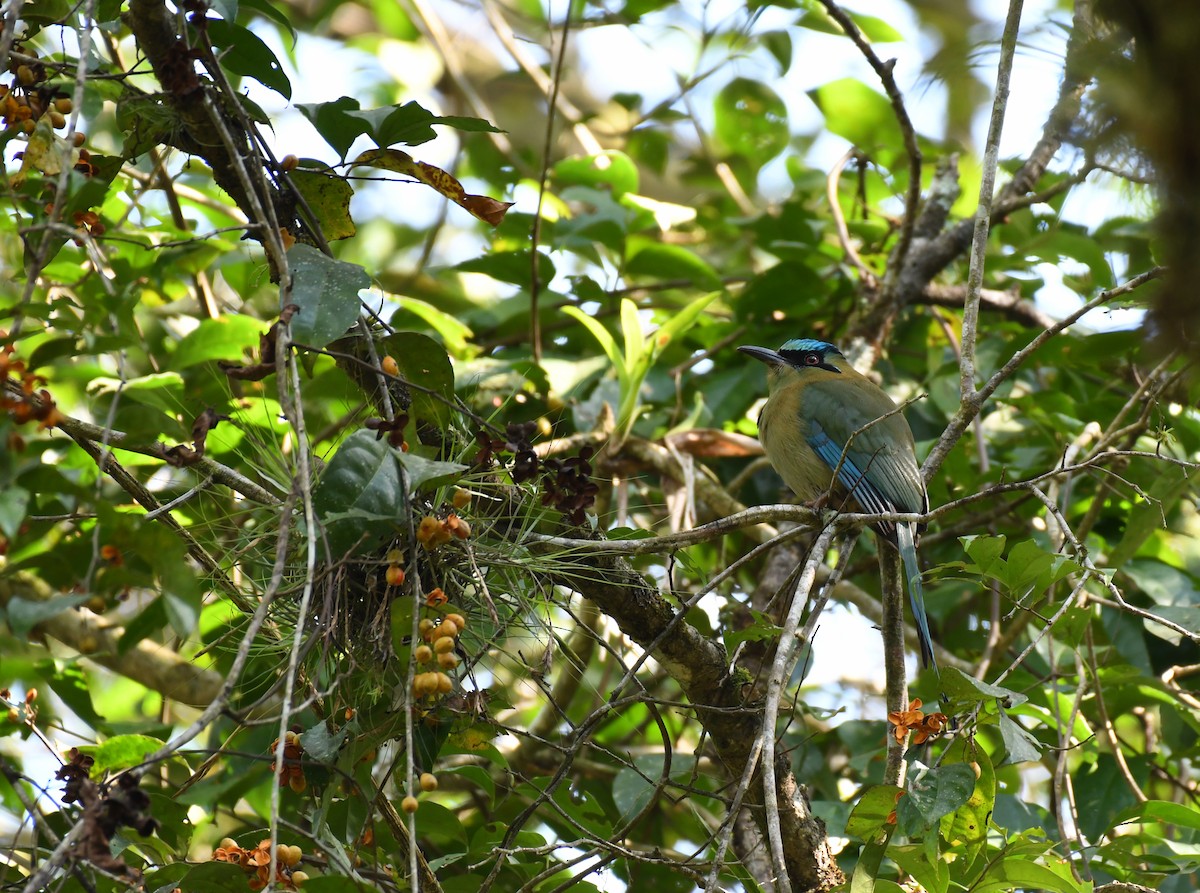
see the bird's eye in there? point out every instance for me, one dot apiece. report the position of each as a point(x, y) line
point(812, 360)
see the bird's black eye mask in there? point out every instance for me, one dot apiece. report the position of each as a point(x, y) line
point(808, 359)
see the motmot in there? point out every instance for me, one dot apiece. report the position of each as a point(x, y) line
point(823, 416)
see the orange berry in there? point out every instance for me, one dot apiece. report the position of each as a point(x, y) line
point(289, 163)
point(423, 654)
point(443, 682)
point(78, 138)
point(57, 119)
point(395, 575)
point(429, 782)
point(458, 620)
point(298, 783)
point(390, 366)
point(299, 877)
point(461, 498)
point(435, 597)
point(448, 660)
point(409, 804)
point(444, 645)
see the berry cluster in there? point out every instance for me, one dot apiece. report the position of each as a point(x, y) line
point(434, 531)
point(292, 773)
point(24, 402)
point(257, 862)
point(439, 639)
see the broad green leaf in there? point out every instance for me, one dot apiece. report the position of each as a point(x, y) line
point(162, 390)
point(422, 473)
point(751, 120)
point(333, 121)
point(612, 170)
point(453, 331)
point(328, 197)
point(326, 291)
point(510, 266)
point(359, 493)
point(223, 338)
point(13, 503)
point(663, 261)
point(1019, 745)
point(121, 752)
point(858, 114)
point(423, 361)
point(932, 794)
point(245, 53)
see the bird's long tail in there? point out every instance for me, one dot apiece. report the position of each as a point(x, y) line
point(912, 572)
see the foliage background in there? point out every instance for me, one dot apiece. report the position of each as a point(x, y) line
point(205, 502)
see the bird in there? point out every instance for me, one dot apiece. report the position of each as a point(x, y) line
point(822, 417)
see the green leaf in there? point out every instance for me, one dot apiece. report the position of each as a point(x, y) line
point(69, 682)
point(779, 45)
point(328, 197)
point(985, 550)
point(1019, 745)
point(607, 343)
point(322, 745)
point(869, 818)
point(359, 489)
point(326, 291)
point(1159, 812)
point(453, 331)
point(162, 390)
point(243, 52)
point(751, 120)
point(121, 752)
point(223, 338)
point(510, 266)
point(13, 503)
point(932, 794)
point(25, 614)
point(423, 361)
point(633, 787)
point(422, 474)
point(648, 257)
point(859, 114)
point(333, 121)
point(612, 170)
point(1146, 516)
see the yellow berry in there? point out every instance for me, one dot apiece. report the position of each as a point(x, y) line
point(64, 105)
point(409, 804)
point(299, 877)
point(443, 683)
point(458, 620)
point(395, 575)
point(462, 498)
point(57, 120)
point(426, 625)
point(25, 75)
point(448, 660)
point(289, 163)
point(228, 843)
point(429, 782)
point(395, 556)
point(443, 645)
point(424, 654)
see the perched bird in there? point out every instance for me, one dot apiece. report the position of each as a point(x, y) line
point(821, 416)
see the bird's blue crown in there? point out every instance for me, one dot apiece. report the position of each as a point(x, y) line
point(809, 345)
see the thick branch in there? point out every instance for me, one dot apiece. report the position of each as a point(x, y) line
point(149, 663)
point(700, 667)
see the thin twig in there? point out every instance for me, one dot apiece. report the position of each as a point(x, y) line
point(987, 187)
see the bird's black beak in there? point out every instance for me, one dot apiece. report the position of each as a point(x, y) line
point(766, 355)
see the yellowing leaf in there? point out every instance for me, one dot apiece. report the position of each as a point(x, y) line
point(489, 210)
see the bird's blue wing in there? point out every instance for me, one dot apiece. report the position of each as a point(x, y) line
point(853, 479)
